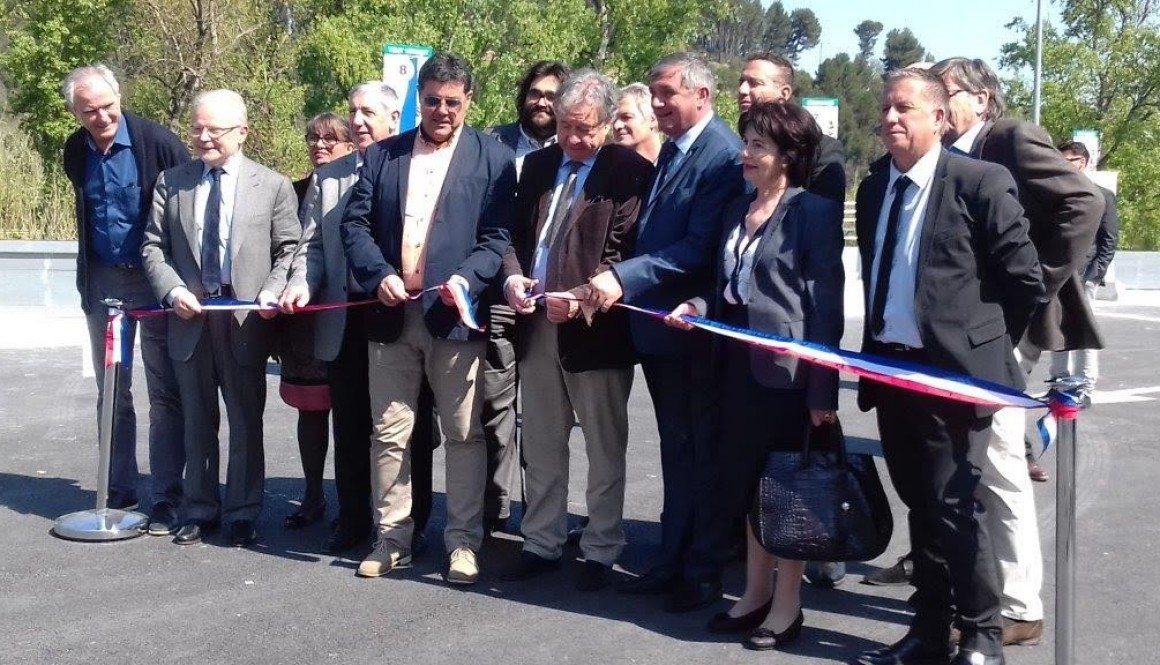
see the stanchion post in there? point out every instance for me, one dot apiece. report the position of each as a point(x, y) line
point(1065, 404)
point(104, 523)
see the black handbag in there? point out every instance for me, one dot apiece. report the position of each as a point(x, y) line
point(821, 506)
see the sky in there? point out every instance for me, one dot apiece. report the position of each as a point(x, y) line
point(977, 32)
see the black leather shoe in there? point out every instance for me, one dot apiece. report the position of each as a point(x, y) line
point(162, 519)
point(243, 534)
point(121, 502)
point(418, 542)
point(528, 566)
point(826, 574)
point(344, 538)
point(653, 583)
point(691, 596)
point(910, 650)
point(494, 525)
point(594, 576)
point(577, 532)
point(976, 658)
point(305, 516)
point(192, 532)
point(896, 575)
point(764, 639)
point(722, 623)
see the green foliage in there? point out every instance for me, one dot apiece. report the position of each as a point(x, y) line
point(42, 206)
point(1102, 71)
point(46, 40)
point(867, 32)
point(858, 86)
point(902, 49)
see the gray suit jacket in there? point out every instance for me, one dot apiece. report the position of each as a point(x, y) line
point(320, 262)
point(263, 235)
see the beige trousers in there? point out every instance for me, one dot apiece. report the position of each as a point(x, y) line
point(599, 399)
point(454, 371)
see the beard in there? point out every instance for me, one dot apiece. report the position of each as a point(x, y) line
point(535, 125)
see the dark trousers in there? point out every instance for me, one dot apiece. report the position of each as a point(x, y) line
point(351, 405)
point(213, 367)
point(686, 424)
point(166, 423)
point(498, 412)
point(929, 444)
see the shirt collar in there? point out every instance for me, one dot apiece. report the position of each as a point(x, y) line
point(121, 138)
point(586, 164)
point(686, 140)
point(967, 140)
point(534, 142)
point(230, 167)
point(923, 170)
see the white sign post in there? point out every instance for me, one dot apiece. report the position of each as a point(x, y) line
point(401, 63)
point(1091, 139)
point(825, 112)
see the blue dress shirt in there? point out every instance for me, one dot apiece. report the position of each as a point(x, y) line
point(113, 201)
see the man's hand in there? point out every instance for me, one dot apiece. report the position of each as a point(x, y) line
point(293, 298)
point(604, 290)
point(185, 304)
point(819, 417)
point(445, 293)
point(560, 306)
point(516, 290)
point(391, 291)
point(270, 302)
point(674, 318)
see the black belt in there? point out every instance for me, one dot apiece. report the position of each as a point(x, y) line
point(223, 292)
point(124, 266)
point(899, 349)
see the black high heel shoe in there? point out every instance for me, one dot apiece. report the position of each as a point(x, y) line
point(722, 623)
point(764, 639)
point(305, 516)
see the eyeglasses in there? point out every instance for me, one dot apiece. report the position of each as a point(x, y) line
point(546, 95)
point(952, 93)
point(315, 139)
point(215, 133)
point(433, 102)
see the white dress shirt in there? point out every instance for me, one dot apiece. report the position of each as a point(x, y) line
point(540, 258)
point(963, 143)
point(900, 323)
point(229, 188)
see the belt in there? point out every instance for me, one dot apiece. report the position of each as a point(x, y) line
point(894, 347)
point(124, 266)
point(223, 292)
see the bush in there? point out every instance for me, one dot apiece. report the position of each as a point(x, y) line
point(35, 203)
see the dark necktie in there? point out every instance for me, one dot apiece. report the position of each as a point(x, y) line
point(665, 164)
point(567, 195)
point(211, 262)
point(886, 261)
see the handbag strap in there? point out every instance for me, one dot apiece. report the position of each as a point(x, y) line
point(839, 440)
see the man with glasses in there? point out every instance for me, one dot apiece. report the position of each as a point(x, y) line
point(535, 129)
point(1064, 209)
point(428, 222)
point(112, 161)
point(222, 226)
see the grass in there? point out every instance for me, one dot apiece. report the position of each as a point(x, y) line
point(35, 203)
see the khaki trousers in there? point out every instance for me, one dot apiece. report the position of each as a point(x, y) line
point(453, 369)
point(550, 396)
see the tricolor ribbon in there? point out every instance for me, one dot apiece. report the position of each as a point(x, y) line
point(118, 339)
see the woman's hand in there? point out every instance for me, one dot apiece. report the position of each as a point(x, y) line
point(674, 318)
point(819, 417)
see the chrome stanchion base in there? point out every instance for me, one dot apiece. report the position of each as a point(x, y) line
point(101, 524)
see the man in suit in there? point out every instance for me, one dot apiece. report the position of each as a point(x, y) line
point(112, 161)
point(768, 77)
point(576, 209)
point(1084, 363)
point(535, 129)
point(950, 279)
point(1063, 207)
point(429, 212)
point(340, 335)
point(221, 226)
point(677, 233)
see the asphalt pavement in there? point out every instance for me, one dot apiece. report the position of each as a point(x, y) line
point(149, 601)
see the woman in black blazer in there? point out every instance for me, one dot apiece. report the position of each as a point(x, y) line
point(779, 271)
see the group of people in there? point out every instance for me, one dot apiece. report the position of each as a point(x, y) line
point(973, 232)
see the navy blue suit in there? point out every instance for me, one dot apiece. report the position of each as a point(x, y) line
point(677, 236)
point(477, 194)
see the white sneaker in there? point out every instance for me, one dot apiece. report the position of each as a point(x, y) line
point(385, 558)
point(462, 568)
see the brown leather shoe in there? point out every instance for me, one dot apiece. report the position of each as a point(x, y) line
point(1021, 633)
point(1037, 473)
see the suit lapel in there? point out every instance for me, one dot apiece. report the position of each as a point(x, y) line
point(981, 139)
point(547, 188)
point(247, 179)
point(186, 187)
point(930, 218)
point(463, 162)
point(403, 172)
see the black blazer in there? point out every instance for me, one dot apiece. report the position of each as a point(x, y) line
point(468, 236)
point(978, 278)
point(1064, 208)
point(508, 134)
point(600, 232)
point(1107, 238)
point(795, 289)
point(829, 175)
point(154, 148)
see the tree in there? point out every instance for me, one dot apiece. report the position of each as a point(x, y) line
point(902, 49)
point(778, 28)
point(46, 40)
point(804, 33)
point(1102, 71)
point(858, 87)
point(867, 32)
point(735, 29)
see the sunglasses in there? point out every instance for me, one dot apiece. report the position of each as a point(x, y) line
point(433, 102)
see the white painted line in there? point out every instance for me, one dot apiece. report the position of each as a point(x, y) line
point(1125, 396)
point(1129, 317)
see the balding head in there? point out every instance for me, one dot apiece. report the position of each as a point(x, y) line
point(218, 125)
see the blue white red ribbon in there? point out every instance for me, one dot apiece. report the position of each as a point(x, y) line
point(118, 339)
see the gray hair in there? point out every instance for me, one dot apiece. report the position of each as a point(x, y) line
point(222, 98)
point(933, 89)
point(638, 94)
point(388, 98)
point(695, 72)
point(975, 76)
point(81, 75)
point(587, 86)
